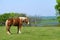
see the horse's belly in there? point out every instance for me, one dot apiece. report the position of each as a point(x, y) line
point(15, 24)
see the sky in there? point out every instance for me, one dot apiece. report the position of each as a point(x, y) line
point(29, 7)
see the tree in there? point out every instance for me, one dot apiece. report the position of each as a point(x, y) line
point(57, 7)
point(58, 1)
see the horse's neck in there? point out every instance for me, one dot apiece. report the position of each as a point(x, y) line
point(23, 18)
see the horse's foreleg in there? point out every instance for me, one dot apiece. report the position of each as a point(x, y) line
point(19, 29)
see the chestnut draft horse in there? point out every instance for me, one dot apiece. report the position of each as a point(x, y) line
point(16, 22)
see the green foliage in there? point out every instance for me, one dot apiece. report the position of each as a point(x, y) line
point(57, 7)
point(58, 1)
point(58, 18)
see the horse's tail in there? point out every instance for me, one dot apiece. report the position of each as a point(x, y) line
point(6, 22)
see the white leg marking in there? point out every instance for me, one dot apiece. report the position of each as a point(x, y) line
point(8, 33)
point(28, 22)
point(19, 31)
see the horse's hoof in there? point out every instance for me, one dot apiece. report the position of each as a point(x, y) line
point(19, 32)
point(8, 33)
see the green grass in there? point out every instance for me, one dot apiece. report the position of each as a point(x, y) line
point(31, 33)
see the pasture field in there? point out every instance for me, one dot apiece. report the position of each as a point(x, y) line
point(31, 33)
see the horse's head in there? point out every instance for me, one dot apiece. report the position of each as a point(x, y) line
point(26, 20)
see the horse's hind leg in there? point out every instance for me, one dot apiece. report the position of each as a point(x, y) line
point(8, 30)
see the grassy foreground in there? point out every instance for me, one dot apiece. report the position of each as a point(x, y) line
point(31, 33)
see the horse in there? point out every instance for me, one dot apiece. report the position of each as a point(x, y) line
point(16, 22)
